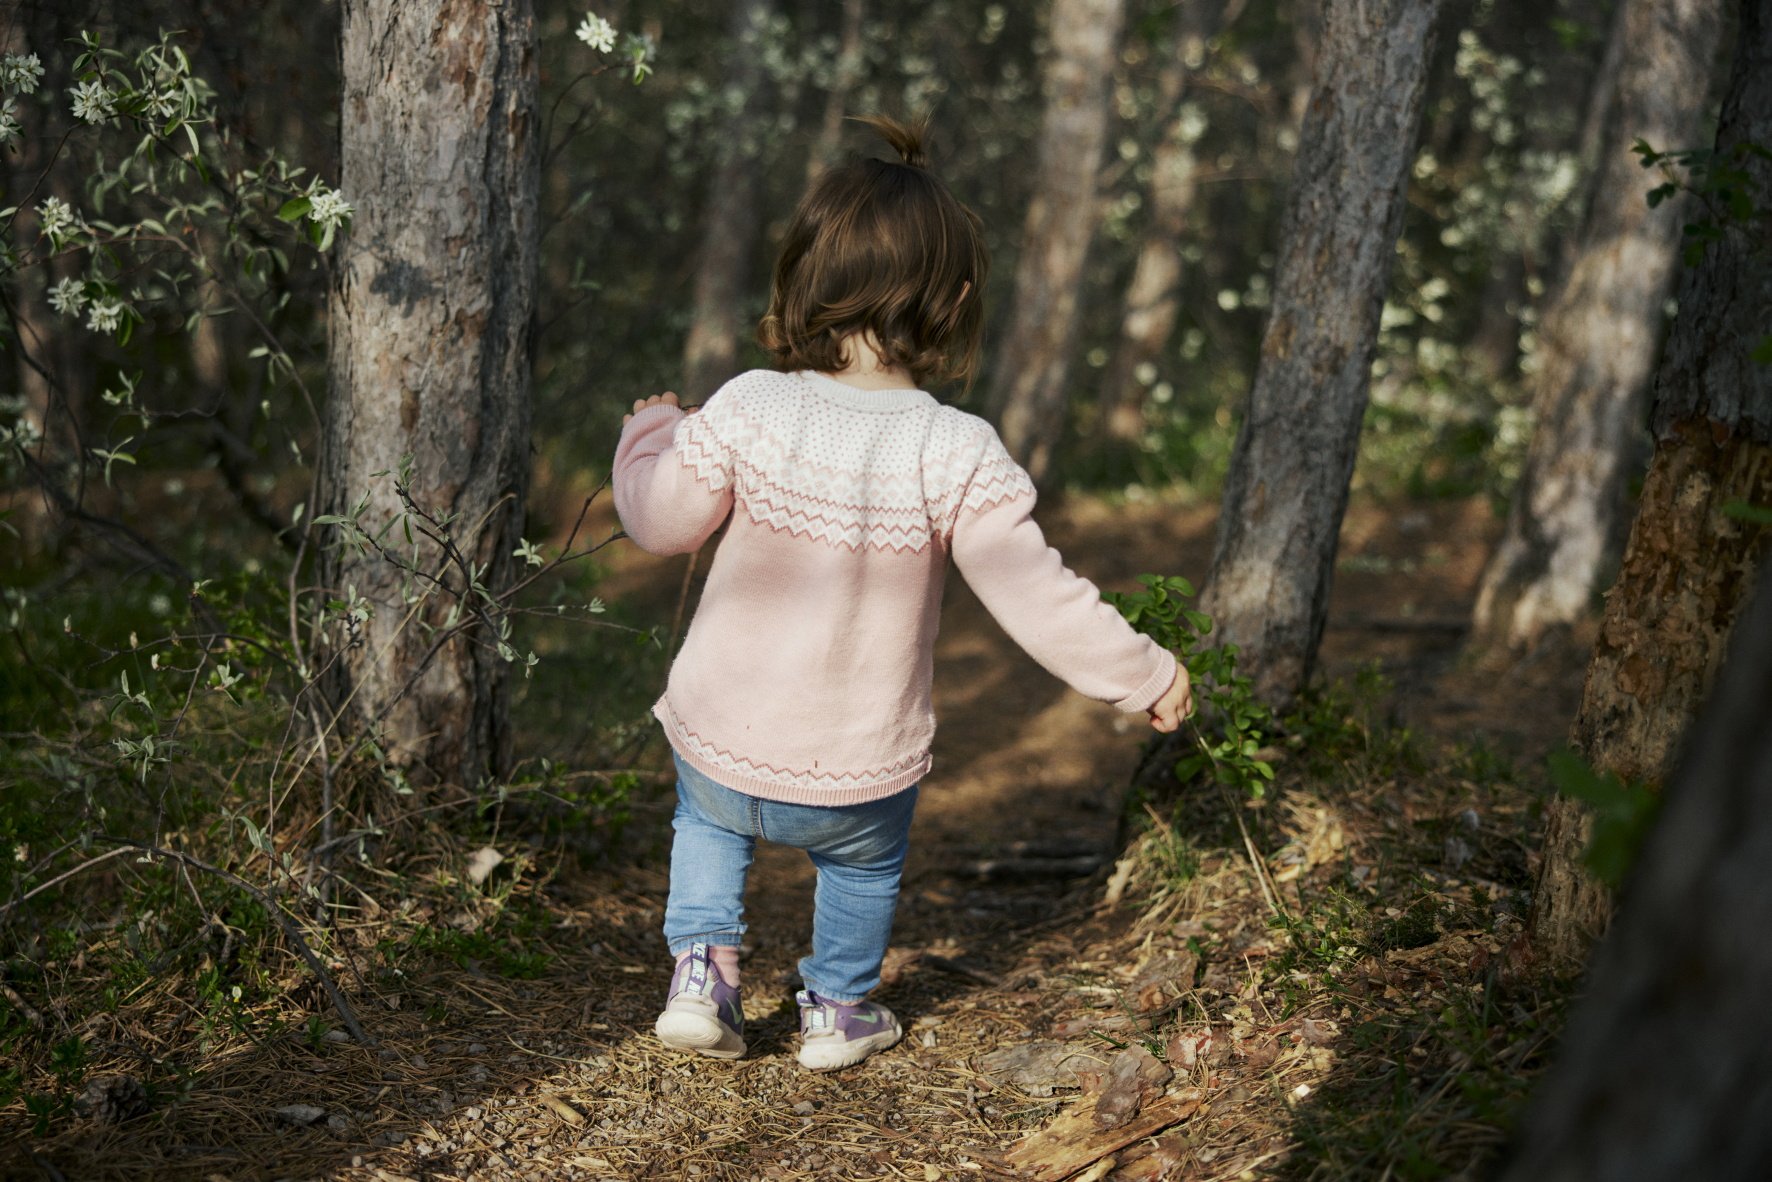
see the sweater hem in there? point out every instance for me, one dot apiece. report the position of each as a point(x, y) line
point(788, 791)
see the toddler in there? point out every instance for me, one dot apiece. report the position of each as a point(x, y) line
point(799, 707)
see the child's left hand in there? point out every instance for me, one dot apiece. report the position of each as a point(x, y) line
point(665, 399)
point(1171, 710)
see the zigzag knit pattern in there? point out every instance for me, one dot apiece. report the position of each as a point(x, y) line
point(893, 479)
point(736, 768)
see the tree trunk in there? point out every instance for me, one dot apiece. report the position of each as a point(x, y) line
point(1027, 391)
point(1599, 340)
point(1153, 300)
point(729, 216)
point(844, 76)
point(1688, 563)
point(430, 357)
point(1665, 1069)
point(1495, 343)
point(1288, 482)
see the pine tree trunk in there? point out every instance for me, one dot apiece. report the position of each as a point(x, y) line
point(1691, 556)
point(1153, 299)
point(1599, 341)
point(1028, 393)
point(52, 364)
point(1665, 1069)
point(729, 215)
point(1495, 344)
point(1288, 483)
point(846, 73)
point(431, 356)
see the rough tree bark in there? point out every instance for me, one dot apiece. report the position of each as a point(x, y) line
point(1690, 558)
point(1597, 348)
point(1288, 482)
point(1153, 299)
point(1027, 392)
point(430, 356)
point(729, 214)
point(1665, 1070)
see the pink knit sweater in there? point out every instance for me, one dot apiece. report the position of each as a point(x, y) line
point(806, 672)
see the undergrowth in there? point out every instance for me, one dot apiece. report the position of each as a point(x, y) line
point(1375, 882)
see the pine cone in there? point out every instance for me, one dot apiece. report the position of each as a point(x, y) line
point(113, 1099)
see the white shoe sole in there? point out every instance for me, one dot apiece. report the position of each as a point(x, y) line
point(702, 1033)
point(827, 1052)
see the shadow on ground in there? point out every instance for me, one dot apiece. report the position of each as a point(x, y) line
point(479, 1076)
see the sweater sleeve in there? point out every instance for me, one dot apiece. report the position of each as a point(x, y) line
point(673, 479)
point(1057, 616)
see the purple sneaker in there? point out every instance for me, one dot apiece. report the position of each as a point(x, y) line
point(836, 1034)
point(703, 1013)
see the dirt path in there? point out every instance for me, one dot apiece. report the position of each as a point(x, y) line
point(1024, 769)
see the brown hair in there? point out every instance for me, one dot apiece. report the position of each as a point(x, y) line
point(880, 246)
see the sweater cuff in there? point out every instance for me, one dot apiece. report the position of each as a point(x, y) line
point(651, 416)
point(1154, 687)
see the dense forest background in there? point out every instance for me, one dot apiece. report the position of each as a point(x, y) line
point(325, 661)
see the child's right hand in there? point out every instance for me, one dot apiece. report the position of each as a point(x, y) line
point(1168, 711)
point(640, 404)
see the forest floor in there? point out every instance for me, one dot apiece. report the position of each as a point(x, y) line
point(1350, 1011)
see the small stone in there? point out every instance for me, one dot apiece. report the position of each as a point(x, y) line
point(335, 1036)
point(300, 1115)
point(337, 1124)
point(804, 1108)
point(476, 1048)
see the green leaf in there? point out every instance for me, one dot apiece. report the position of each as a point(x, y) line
point(295, 208)
point(1753, 514)
point(1189, 766)
point(1762, 353)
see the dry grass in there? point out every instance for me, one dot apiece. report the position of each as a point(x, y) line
point(1377, 1028)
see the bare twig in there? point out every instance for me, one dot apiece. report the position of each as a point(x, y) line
point(21, 1005)
point(7, 908)
point(346, 1014)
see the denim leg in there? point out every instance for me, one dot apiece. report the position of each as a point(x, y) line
point(709, 863)
point(853, 905)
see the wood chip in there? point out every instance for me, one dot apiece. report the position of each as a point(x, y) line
point(561, 1108)
point(1072, 1142)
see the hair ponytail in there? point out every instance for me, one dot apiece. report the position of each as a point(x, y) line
point(906, 138)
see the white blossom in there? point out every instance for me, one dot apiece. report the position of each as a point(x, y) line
point(597, 33)
point(105, 315)
point(164, 104)
point(10, 129)
point(329, 208)
point(21, 71)
point(56, 216)
point(68, 297)
point(94, 102)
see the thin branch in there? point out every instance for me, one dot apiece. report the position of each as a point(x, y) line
point(346, 1014)
point(8, 908)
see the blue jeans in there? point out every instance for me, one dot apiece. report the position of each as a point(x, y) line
point(859, 852)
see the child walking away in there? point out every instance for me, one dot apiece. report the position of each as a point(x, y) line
point(799, 707)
